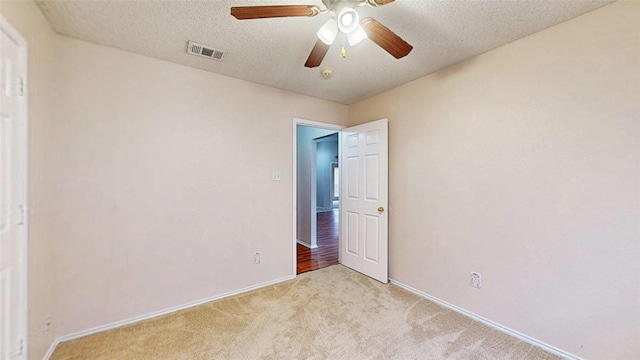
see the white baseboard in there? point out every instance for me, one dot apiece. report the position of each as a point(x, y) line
point(488, 322)
point(151, 315)
point(305, 244)
point(49, 352)
point(483, 320)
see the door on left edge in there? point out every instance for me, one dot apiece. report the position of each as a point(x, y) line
point(13, 232)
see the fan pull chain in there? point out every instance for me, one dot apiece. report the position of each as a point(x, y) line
point(343, 52)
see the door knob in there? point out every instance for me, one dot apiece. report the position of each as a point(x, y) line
point(380, 209)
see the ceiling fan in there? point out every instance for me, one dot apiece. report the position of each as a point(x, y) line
point(345, 19)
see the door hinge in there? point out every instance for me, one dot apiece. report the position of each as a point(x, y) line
point(20, 347)
point(21, 215)
point(20, 86)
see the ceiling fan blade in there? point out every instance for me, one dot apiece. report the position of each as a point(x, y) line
point(262, 12)
point(317, 54)
point(386, 38)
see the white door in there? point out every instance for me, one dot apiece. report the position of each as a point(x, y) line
point(364, 219)
point(13, 234)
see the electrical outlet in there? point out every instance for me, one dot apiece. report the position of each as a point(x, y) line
point(256, 257)
point(475, 280)
point(45, 325)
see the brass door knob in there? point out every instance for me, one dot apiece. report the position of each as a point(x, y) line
point(380, 209)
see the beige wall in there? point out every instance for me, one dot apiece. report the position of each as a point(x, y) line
point(163, 183)
point(523, 164)
point(26, 18)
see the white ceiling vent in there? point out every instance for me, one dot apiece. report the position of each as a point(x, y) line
point(204, 51)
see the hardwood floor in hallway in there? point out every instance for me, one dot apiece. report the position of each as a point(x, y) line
point(327, 252)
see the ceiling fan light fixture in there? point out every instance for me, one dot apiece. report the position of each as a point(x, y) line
point(348, 20)
point(356, 36)
point(328, 32)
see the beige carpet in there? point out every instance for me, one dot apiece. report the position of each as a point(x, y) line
point(333, 313)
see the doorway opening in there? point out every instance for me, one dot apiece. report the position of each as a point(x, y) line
point(317, 214)
point(363, 216)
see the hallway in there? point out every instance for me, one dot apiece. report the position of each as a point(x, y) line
point(327, 252)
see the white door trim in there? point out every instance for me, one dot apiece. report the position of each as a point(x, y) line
point(314, 194)
point(6, 27)
point(316, 124)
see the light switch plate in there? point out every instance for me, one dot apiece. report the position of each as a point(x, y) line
point(275, 176)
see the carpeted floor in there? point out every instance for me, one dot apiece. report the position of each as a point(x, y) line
point(332, 313)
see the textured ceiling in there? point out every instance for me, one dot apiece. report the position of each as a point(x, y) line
point(273, 51)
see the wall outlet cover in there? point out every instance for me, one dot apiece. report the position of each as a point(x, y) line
point(475, 280)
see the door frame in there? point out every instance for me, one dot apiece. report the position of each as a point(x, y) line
point(315, 124)
point(335, 165)
point(22, 144)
